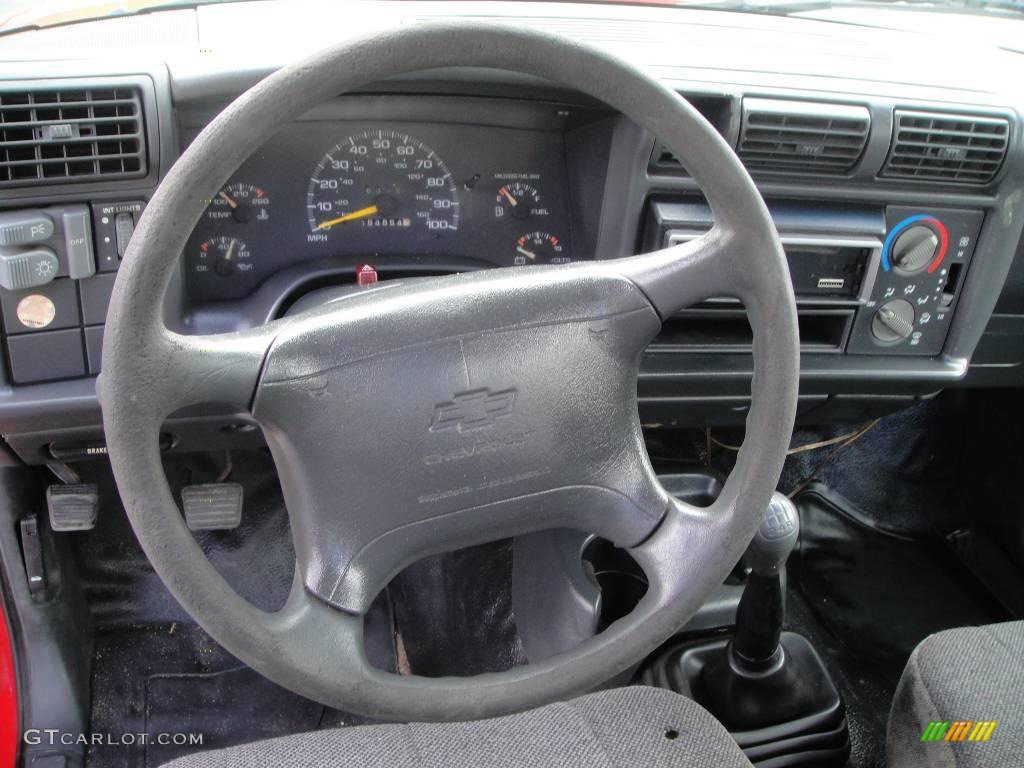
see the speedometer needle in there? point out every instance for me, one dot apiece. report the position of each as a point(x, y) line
point(360, 214)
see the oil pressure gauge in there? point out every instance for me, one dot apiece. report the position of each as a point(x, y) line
point(222, 256)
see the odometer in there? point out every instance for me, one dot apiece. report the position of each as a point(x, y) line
point(382, 180)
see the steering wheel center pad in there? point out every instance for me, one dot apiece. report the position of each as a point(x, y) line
point(455, 412)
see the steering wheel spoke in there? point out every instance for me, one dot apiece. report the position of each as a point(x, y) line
point(686, 273)
point(221, 368)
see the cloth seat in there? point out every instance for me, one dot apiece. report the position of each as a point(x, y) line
point(967, 675)
point(635, 726)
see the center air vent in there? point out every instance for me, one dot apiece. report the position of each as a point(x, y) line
point(802, 137)
point(48, 136)
point(958, 149)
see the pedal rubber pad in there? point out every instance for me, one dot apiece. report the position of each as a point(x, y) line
point(212, 506)
point(72, 507)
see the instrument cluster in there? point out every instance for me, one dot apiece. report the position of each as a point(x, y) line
point(443, 197)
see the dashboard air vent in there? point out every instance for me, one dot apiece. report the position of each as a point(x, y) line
point(49, 136)
point(957, 149)
point(802, 137)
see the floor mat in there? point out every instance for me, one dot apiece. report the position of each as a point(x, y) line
point(174, 679)
point(232, 707)
point(866, 599)
point(155, 671)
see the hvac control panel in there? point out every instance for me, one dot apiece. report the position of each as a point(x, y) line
point(924, 259)
point(57, 267)
point(895, 273)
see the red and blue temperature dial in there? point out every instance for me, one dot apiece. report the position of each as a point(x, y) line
point(915, 244)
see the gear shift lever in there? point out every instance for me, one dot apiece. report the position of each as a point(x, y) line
point(769, 688)
point(755, 648)
point(764, 677)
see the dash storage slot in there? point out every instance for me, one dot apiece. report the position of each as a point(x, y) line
point(727, 330)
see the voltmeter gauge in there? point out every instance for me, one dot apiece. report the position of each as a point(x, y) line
point(518, 200)
point(240, 203)
point(539, 248)
point(222, 256)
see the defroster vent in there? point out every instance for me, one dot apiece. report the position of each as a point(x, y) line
point(49, 136)
point(802, 137)
point(937, 147)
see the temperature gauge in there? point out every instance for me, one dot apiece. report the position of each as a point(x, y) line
point(539, 248)
point(518, 200)
point(223, 256)
point(240, 203)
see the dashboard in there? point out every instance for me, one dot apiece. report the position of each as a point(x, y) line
point(894, 175)
point(395, 197)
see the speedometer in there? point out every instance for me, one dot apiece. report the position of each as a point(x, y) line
point(381, 180)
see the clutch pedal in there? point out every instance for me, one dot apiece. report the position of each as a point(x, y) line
point(72, 507)
point(212, 506)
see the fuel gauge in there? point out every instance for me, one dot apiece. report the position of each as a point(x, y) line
point(539, 248)
point(518, 200)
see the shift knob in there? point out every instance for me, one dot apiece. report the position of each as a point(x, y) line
point(775, 538)
point(762, 607)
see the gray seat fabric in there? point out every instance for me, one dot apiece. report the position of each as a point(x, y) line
point(967, 674)
point(633, 726)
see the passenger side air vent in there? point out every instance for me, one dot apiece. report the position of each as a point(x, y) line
point(49, 136)
point(802, 137)
point(957, 149)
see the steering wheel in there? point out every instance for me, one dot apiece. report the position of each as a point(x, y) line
point(434, 414)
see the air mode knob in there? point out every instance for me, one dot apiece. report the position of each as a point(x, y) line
point(894, 321)
point(914, 249)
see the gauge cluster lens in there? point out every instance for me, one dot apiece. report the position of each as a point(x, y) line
point(382, 180)
point(406, 198)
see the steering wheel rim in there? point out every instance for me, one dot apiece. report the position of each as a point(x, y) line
point(313, 645)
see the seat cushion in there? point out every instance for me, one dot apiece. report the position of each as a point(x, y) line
point(971, 674)
point(635, 726)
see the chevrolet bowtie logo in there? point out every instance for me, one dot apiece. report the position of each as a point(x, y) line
point(476, 409)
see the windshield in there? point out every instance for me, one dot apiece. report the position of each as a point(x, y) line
point(15, 14)
point(29, 14)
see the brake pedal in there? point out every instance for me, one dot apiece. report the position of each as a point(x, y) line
point(212, 506)
point(72, 507)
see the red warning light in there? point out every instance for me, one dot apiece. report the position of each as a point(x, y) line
point(366, 274)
